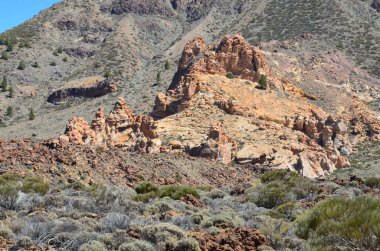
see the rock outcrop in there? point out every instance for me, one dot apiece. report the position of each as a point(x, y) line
point(278, 127)
point(98, 89)
point(232, 55)
point(121, 128)
point(218, 146)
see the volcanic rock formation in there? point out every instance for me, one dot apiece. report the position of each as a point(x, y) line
point(121, 128)
point(98, 89)
point(278, 127)
point(209, 114)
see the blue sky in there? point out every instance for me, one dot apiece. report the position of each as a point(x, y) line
point(15, 12)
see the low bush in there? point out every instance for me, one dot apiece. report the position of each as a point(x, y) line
point(93, 246)
point(280, 187)
point(136, 245)
point(373, 182)
point(12, 184)
point(34, 185)
point(350, 224)
point(230, 75)
point(177, 192)
point(145, 187)
point(147, 191)
point(263, 85)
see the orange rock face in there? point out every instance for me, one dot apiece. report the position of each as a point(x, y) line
point(232, 54)
point(279, 127)
point(121, 128)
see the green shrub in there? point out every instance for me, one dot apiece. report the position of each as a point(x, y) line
point(145, 187)
point(35, 65)
point(52, 63)
point(136, 245)
point(55, 53)
point(21, 65)
point(147, 191)
point(9, 194)
point(4, 84)
point(373, 182)
point(4, 55)
point(34, 185)
point(32, 115)
point(60, 50)
point(263, 85)
point(350, 224)
point(24, 242)
point(167, 65)
point(163, 234)
point(5, 232)
point(107, 74)
point(64, 59)
point(93, 246)
point(177, 192)
point(280, 187)
point(272, 195)
point(188, 244)
point(9, 111)
point(9, 45)
point(12, 184)
point(230, 75)
point(11, 92)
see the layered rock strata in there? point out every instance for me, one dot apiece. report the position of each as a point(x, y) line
point(98, 89)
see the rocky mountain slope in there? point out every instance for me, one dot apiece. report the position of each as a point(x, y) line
point(141, 125)
point(132, 40)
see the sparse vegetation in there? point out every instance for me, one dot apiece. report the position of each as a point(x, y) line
point(147, 191)
point(230, 75)
point(4, 55)
point(9, 111)
point(158, 78)
point(263, 85)
point(21, 65)
point(350, 224)
point(4, 84)
point(11, 92)
point(107, 74)
point(167, 65)
point(279, 188)
point(32, 115)
point(53, 63)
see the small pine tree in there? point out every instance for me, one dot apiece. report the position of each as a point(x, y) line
point(60, 50)
point(107, 74)
point(230, 75)
point(263, 85)
point(158, 78)
point(11, 92)
point(52, 63)
point(32, 115)
point(64, 59)
point(9, 111)
point(21, 66)
point(167, 65)
point(4, 84)
point(4, 55)
point(9, 45)
point(35, 65)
